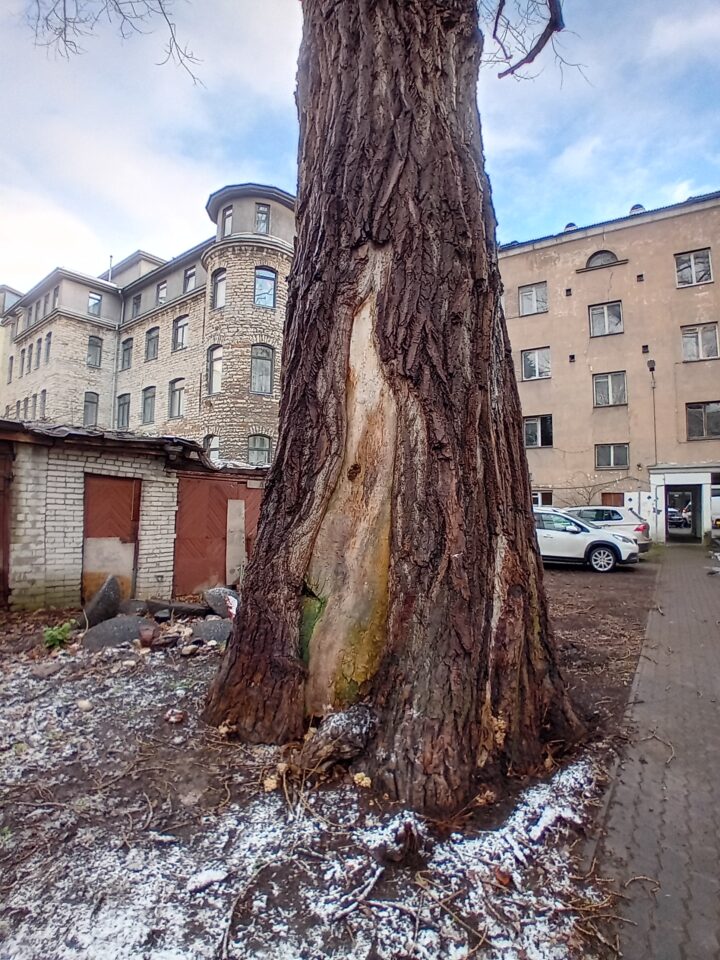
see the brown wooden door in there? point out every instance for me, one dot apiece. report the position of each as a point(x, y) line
point(612, 499)
point(201, 531)
point(6, 459)
point(112, 520)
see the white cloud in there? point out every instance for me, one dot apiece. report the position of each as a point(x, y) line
point(685, 34)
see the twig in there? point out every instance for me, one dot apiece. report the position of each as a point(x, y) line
point(642, 877)
point(667, 743)
point(359, 895)
point(225, 942)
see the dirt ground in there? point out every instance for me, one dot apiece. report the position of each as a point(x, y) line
point(125, 836)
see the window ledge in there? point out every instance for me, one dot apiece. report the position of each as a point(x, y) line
point(534, 379)
point(608, 406)
point(715, 437)
point(601, 266)
point(599, 336)
point(616, 469)
point(256, 393)
point(260, 306)
point(534, 313)
point(540, 446)
point(701, 283)
point(701, 359)
point(178, 349)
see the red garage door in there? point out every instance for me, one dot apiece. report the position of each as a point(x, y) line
point(112, 517)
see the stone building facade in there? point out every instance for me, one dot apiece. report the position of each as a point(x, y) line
point(189, 347)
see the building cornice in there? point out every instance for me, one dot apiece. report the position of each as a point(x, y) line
point(149, 314)
point(169, 266)
point(29, 333)
point(260, 190)
point(248, 240)
point(48, 282)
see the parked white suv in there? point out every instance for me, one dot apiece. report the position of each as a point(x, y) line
point(566, 539)
point(619, 520)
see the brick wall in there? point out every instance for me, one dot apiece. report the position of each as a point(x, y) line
point(47, 522)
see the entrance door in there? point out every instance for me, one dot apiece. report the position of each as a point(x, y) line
point(112, 519)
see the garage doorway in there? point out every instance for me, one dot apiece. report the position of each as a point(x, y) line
point(683, 513)
point(112, 519)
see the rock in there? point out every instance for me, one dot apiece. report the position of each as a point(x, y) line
point(133, 608)
point(104, 605)
point(84, 705)
point(111, 633)
point(162, 616)
point(189, 650)
point(218, 631)
point(44, 670)
point(215, 598)
point(177, 608)
point(129, 663)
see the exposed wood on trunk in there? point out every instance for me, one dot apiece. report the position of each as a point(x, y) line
point(396, 229)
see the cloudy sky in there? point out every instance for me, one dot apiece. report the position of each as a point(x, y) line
point(110, 152)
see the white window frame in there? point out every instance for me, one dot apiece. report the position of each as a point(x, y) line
point(93, 403)
point(155, 331)
point(612, 448)
point(219, 283)
point(537, 421)
point(266, 208)
point(136, 305)
point(264, 275)
point(161, 293)
point(214, 369)
point(538, 304)
point(252, 452)
point(226, 221)
point(189, 279)
point(180, 325)
point(94, 307)
point(95, 349)
point(698, 329)
point(257, 357)
point(600, 311)
point(176, 408)
point(126, 352)
point(536, 351)
point(703, 405)
point(212, 447)
point(149, 395)
point(692, 254)
point(612, 402)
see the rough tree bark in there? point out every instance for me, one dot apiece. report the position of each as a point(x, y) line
point(396, 558)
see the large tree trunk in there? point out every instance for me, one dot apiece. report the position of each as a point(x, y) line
point(396, 555)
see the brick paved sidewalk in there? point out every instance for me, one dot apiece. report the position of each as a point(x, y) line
point(663, 817)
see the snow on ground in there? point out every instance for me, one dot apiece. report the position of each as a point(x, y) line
point(125, 838)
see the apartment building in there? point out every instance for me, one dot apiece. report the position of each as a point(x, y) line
point(614, 328)
point(187, 347)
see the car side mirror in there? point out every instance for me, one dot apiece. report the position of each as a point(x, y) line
point(573, 529)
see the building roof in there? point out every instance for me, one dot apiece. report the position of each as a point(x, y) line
point(56, 274)
point(131, 260)
point(640, 216)
point(167, 266)
point(221, 196)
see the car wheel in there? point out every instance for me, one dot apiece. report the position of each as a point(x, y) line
point(602, 559)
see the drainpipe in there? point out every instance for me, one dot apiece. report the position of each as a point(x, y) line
point(651, 368)
point(115, 366)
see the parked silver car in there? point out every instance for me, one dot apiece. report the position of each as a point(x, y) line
point(620, 519)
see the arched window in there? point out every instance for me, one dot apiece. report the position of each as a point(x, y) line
point(94, 354)
point(90, 409)
point(601, 259)
point(48, 346)
point(123, 411)
point(29, 356)
point(38, 352)
point(21, 367)
point(259, 448)
point(43, 402)
point(152, 343)
point(148, 405)
point(262, 359)
point(180, 333)
point(212, 446)
point(214, 368)
point(126, 349)
point(218, 288)
point(33, 407)
point(176, 399)
point(265, 284)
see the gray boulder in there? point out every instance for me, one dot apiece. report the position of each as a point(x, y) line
point(215, 599)
point(135, 608)
point(177, 608)
point(218, 630)
point(112, 633)
point(104, 605)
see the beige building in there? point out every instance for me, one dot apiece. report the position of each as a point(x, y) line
point(189, 347)
point(614, 329)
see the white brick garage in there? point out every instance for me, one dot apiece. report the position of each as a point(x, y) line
point(44, 560)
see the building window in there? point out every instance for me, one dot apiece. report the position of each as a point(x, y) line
point(259, 449)
point(161, 293)
point(610, 389)
point(46, 304)
point(29, 358)
point(94, 304)
point(33, 407)
point(126, 351)
point(11, 364)
point(602, 258)
point(43, 402)
point(212, 447)
point(703, 420)
point(218, 289)
point(90, 410)
point(261, 369)
point(94, 354)
point(180, 333)
point(265, 283)
point(48, 347)
point(38, 352)
point(542, 498)
point(136, 301)
point(606, 319)
point(612, 455)
point(693, 268)
point(533, 298)
point(21, 368)
point(26, 404)
point(176, 404)
point(28, 318)
point(37, 311)
point(538, 431)
point(123, 411)
point(536, 364)
point(152, 343)
point(700, 342)
point(226, 228)
point(56, 296)
point(214, 369)
point(189, 279)
point(262, 218)
point(148, 405)
point(17, 409)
